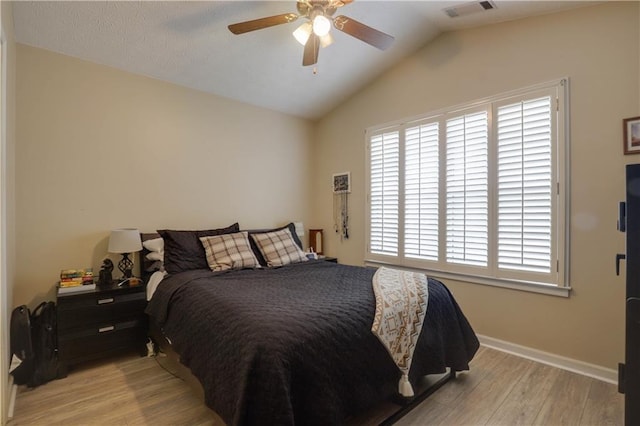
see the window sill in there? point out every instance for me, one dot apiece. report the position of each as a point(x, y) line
point(531, 287)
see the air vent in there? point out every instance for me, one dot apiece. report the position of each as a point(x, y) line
point(469, 8)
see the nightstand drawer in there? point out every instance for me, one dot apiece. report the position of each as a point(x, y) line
point(98, 308)
point(101, 329)
point(90, 343)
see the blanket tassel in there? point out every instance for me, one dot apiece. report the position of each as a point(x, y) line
point(404, 387)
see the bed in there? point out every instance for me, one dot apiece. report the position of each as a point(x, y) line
point(292, 344)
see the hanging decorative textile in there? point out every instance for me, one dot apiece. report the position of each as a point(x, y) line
point(341, 191)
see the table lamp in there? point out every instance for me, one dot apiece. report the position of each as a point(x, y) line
point(125, 241)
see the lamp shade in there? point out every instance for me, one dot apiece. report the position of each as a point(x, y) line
point(321, 25)
point(299, 229)
point(303, 32)
point(126, 240)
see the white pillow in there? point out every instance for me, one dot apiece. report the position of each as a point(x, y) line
point(156, 249)
point(156, 244)
point(154, 255)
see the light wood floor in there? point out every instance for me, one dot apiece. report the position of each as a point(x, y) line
point(500, 389)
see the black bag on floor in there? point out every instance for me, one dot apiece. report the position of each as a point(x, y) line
point(43, 365)
point(21, 345)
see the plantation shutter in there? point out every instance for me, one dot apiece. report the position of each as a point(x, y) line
point(476, 192)
point(384, 193)
point(524, 132)
point(421, 191)
point(467, 189)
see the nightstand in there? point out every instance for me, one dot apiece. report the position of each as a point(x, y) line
point(100, 323)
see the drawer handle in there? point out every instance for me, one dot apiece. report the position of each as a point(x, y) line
point(105, 329)
point(105, 301)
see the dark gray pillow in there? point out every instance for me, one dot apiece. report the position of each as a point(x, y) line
point(183, 250)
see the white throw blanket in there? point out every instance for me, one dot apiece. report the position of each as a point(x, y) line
point(401, 305)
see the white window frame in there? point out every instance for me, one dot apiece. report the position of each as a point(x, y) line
point(554, 283)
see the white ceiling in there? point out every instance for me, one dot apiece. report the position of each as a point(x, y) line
point(188, 43)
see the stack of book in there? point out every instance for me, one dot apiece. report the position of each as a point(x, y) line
point(76, 280)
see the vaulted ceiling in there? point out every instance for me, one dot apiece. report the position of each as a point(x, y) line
point(188, 43)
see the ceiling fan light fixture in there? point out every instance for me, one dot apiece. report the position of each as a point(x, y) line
point(315, 32)
point(326, 40)
point(302, 33)
point(321, 25)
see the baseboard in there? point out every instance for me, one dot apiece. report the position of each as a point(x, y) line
point(590, 370)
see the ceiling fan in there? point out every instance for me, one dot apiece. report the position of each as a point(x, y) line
point(315, 32)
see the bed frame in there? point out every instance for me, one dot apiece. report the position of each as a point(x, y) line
point(169, 359)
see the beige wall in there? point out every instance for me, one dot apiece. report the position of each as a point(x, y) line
point(100, 149)
point(10, 158)
point(598, 48)
point(7, 175)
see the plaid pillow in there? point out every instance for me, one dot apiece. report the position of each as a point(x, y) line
point(279, 248)
point(229, 251)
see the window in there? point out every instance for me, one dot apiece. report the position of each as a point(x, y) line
point(467, 189)
point(384, 193)
point(476, 192)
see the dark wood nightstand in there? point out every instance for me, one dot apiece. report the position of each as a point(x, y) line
point(100, 323)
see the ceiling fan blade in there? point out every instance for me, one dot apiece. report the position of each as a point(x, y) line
point(311, 50)
point(363, 32)
point(258, 24)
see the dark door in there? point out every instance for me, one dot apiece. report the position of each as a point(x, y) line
point(632, 349)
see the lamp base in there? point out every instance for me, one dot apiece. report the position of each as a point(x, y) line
point(125, 265)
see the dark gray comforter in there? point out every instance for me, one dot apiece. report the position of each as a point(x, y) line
point(293, 345)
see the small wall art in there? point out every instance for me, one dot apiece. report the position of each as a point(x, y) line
point(631, 131)
point(341, 182)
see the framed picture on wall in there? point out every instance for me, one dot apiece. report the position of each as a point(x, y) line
point(341, 182)
point(631, 131)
